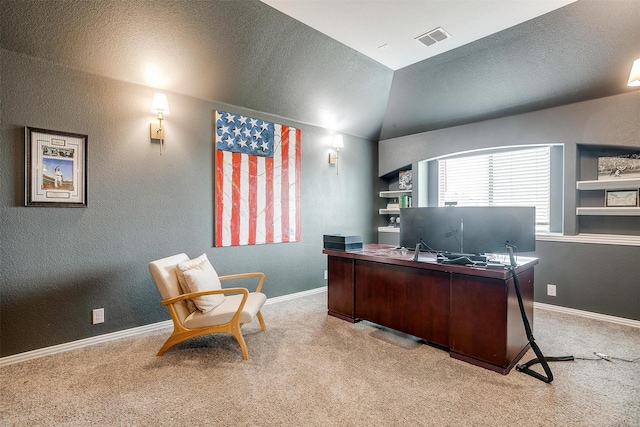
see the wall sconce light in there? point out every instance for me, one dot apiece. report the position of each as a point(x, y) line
point(634, 76)
point(338, 143)
point(160, 106)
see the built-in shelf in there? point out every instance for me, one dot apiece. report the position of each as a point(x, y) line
point(610, 211)
point(394, 193)
point(389, 211)
point(609, 184)
point(389, 229)
point(390, 233)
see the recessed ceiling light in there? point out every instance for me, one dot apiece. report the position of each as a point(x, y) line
point(433, 37)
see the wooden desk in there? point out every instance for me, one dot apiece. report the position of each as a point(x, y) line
point(471, 312)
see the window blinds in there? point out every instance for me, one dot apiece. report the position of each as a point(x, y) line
point(501, 178)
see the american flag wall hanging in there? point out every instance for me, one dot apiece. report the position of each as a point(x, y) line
point(257, 182)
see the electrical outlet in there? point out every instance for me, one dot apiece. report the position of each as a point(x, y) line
point(326, 274)
point(551, 290)
point(98, 316)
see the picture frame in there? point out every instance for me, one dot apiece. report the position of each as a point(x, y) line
point(619, 167)
point(405, 181)
point(55, 168)
point(623, 198)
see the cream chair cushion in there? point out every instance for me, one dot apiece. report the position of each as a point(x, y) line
point(199, 275)
point(225, 311)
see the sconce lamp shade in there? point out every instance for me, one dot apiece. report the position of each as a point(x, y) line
point(634, 76)
point(160, 105)
point(338, 142)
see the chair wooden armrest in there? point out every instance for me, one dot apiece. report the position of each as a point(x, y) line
point(190, 295)
point(244, 276)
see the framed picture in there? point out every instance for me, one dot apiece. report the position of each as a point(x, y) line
point(404, 180)
point(625, 166)
point(622, 198)
point(55, 168)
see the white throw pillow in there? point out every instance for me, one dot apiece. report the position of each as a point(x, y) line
point(199, 275)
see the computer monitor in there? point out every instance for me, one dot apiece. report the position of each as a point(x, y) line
point(438, 228)
point(470, 230)
point(489, 229)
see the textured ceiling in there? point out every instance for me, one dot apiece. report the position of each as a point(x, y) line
point(579, 52)
point(248, 54)
point(366, 25)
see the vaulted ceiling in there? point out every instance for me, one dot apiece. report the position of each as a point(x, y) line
point(246, 53)
point(579, 52)
point(387, 31)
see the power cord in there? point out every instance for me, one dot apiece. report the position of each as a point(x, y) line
point(602, 356)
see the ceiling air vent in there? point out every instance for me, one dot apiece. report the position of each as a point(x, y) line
point(433, 37)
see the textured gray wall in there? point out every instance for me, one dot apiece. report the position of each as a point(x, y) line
point(237, 52)
point(597, 278)
point(592, 277)
point(58, 264)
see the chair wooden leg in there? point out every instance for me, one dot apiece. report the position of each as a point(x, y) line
point(167, 345)
point(263, 327)
point(243, 345)
point(181, 334)
point(171, 341)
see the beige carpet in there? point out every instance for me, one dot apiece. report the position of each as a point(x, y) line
point(309, 369)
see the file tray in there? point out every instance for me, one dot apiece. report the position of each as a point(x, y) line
point(342, 243)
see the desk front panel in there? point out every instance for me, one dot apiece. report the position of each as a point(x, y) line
point(410, 300)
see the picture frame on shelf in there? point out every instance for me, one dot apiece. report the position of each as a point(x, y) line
point(55, 168)
point(617, 167)
point(405, 181)
point(624, 198)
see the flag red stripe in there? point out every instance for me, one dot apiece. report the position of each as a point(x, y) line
point(284, 185)
point(268, 163)
point(235, 199)
point(253, 198)
point(298, 192)
point(219, 196)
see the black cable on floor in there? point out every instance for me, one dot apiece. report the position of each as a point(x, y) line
point(601, 356)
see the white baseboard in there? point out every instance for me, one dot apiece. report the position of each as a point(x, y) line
point(296, 295)
point(34, 354)
point(47, 351)
point(588, 314)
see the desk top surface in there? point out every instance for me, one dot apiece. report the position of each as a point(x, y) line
point(389, 254)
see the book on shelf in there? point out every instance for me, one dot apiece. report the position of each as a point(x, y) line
point(393, 206)
point(405, 201)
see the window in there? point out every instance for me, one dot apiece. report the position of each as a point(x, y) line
point(513, 177)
